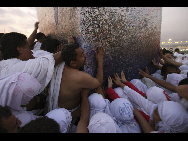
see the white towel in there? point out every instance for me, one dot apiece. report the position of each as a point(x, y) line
point(55, 87)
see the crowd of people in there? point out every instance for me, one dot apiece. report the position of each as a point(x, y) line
point(44, 89)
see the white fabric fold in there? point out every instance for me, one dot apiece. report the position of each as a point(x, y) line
point(40, 68)
point(55, 87)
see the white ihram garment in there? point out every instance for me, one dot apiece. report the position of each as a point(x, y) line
point(40, 68)
point(55, 87)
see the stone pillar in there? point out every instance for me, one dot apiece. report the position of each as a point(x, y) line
point(130, 35)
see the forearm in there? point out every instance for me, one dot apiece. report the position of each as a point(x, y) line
point(171, 61)
point(146, 127)
point(85, 110)
point(112, 94)
point(99, 75)
point(164, 84)
point(85, 113)
point(32, 37)
point(130, 85)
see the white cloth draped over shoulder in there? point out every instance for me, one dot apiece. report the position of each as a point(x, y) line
point(40, 68)
point(55, 87)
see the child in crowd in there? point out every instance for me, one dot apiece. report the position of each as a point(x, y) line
point(168, 116)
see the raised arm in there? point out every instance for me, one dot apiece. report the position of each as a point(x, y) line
point(168, 60)
point(85, 113)
point(162, 83)
point(99, 54)
point(146, 127)
point(32, 37)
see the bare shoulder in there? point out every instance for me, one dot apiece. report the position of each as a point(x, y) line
point(87, 81)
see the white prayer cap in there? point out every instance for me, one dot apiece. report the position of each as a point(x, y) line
point(184, 73)
point(120, 92)
point(156, 95)
point(63, 117)
point(98, 104)
point(174, 78)
point(174, 117)
point(102, 123)
point(183, 67)
point(139, 85)
point(122, 109)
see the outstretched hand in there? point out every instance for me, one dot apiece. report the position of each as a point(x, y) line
point(117, 79)
point(99, 54)
point(37, 25)
point(144, 74)
point(123, 79)
point(110, 83)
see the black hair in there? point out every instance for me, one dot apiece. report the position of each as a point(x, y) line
point(68, 53)
point(39, 35)
point(167, 51)
point(1, 34)
point(9, 44)
point(5, 113)
point(183, 82)
point(41, 125)
point(50, 45)
point(177, 49)
point(165, 66)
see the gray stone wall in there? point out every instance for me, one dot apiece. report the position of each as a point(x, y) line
point(130, 35)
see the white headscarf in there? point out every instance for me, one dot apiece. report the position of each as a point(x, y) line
point(174, 117)
point(157, 95)
point(102, 123)
point(63, 117)
point(148, 82)
point(18, 89)
point(122, 110)
point(174, 78)
point(120, 92)
point(98, 104)
point(139, 85)
point(183, 67)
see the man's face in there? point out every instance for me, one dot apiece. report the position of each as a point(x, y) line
point(11, 124)
point(25, 52)
point(81, 58)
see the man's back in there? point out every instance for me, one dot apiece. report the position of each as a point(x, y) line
point(69, 94)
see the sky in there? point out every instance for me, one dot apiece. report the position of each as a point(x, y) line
point(22, 20)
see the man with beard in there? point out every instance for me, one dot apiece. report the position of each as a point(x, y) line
point(68, 81)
